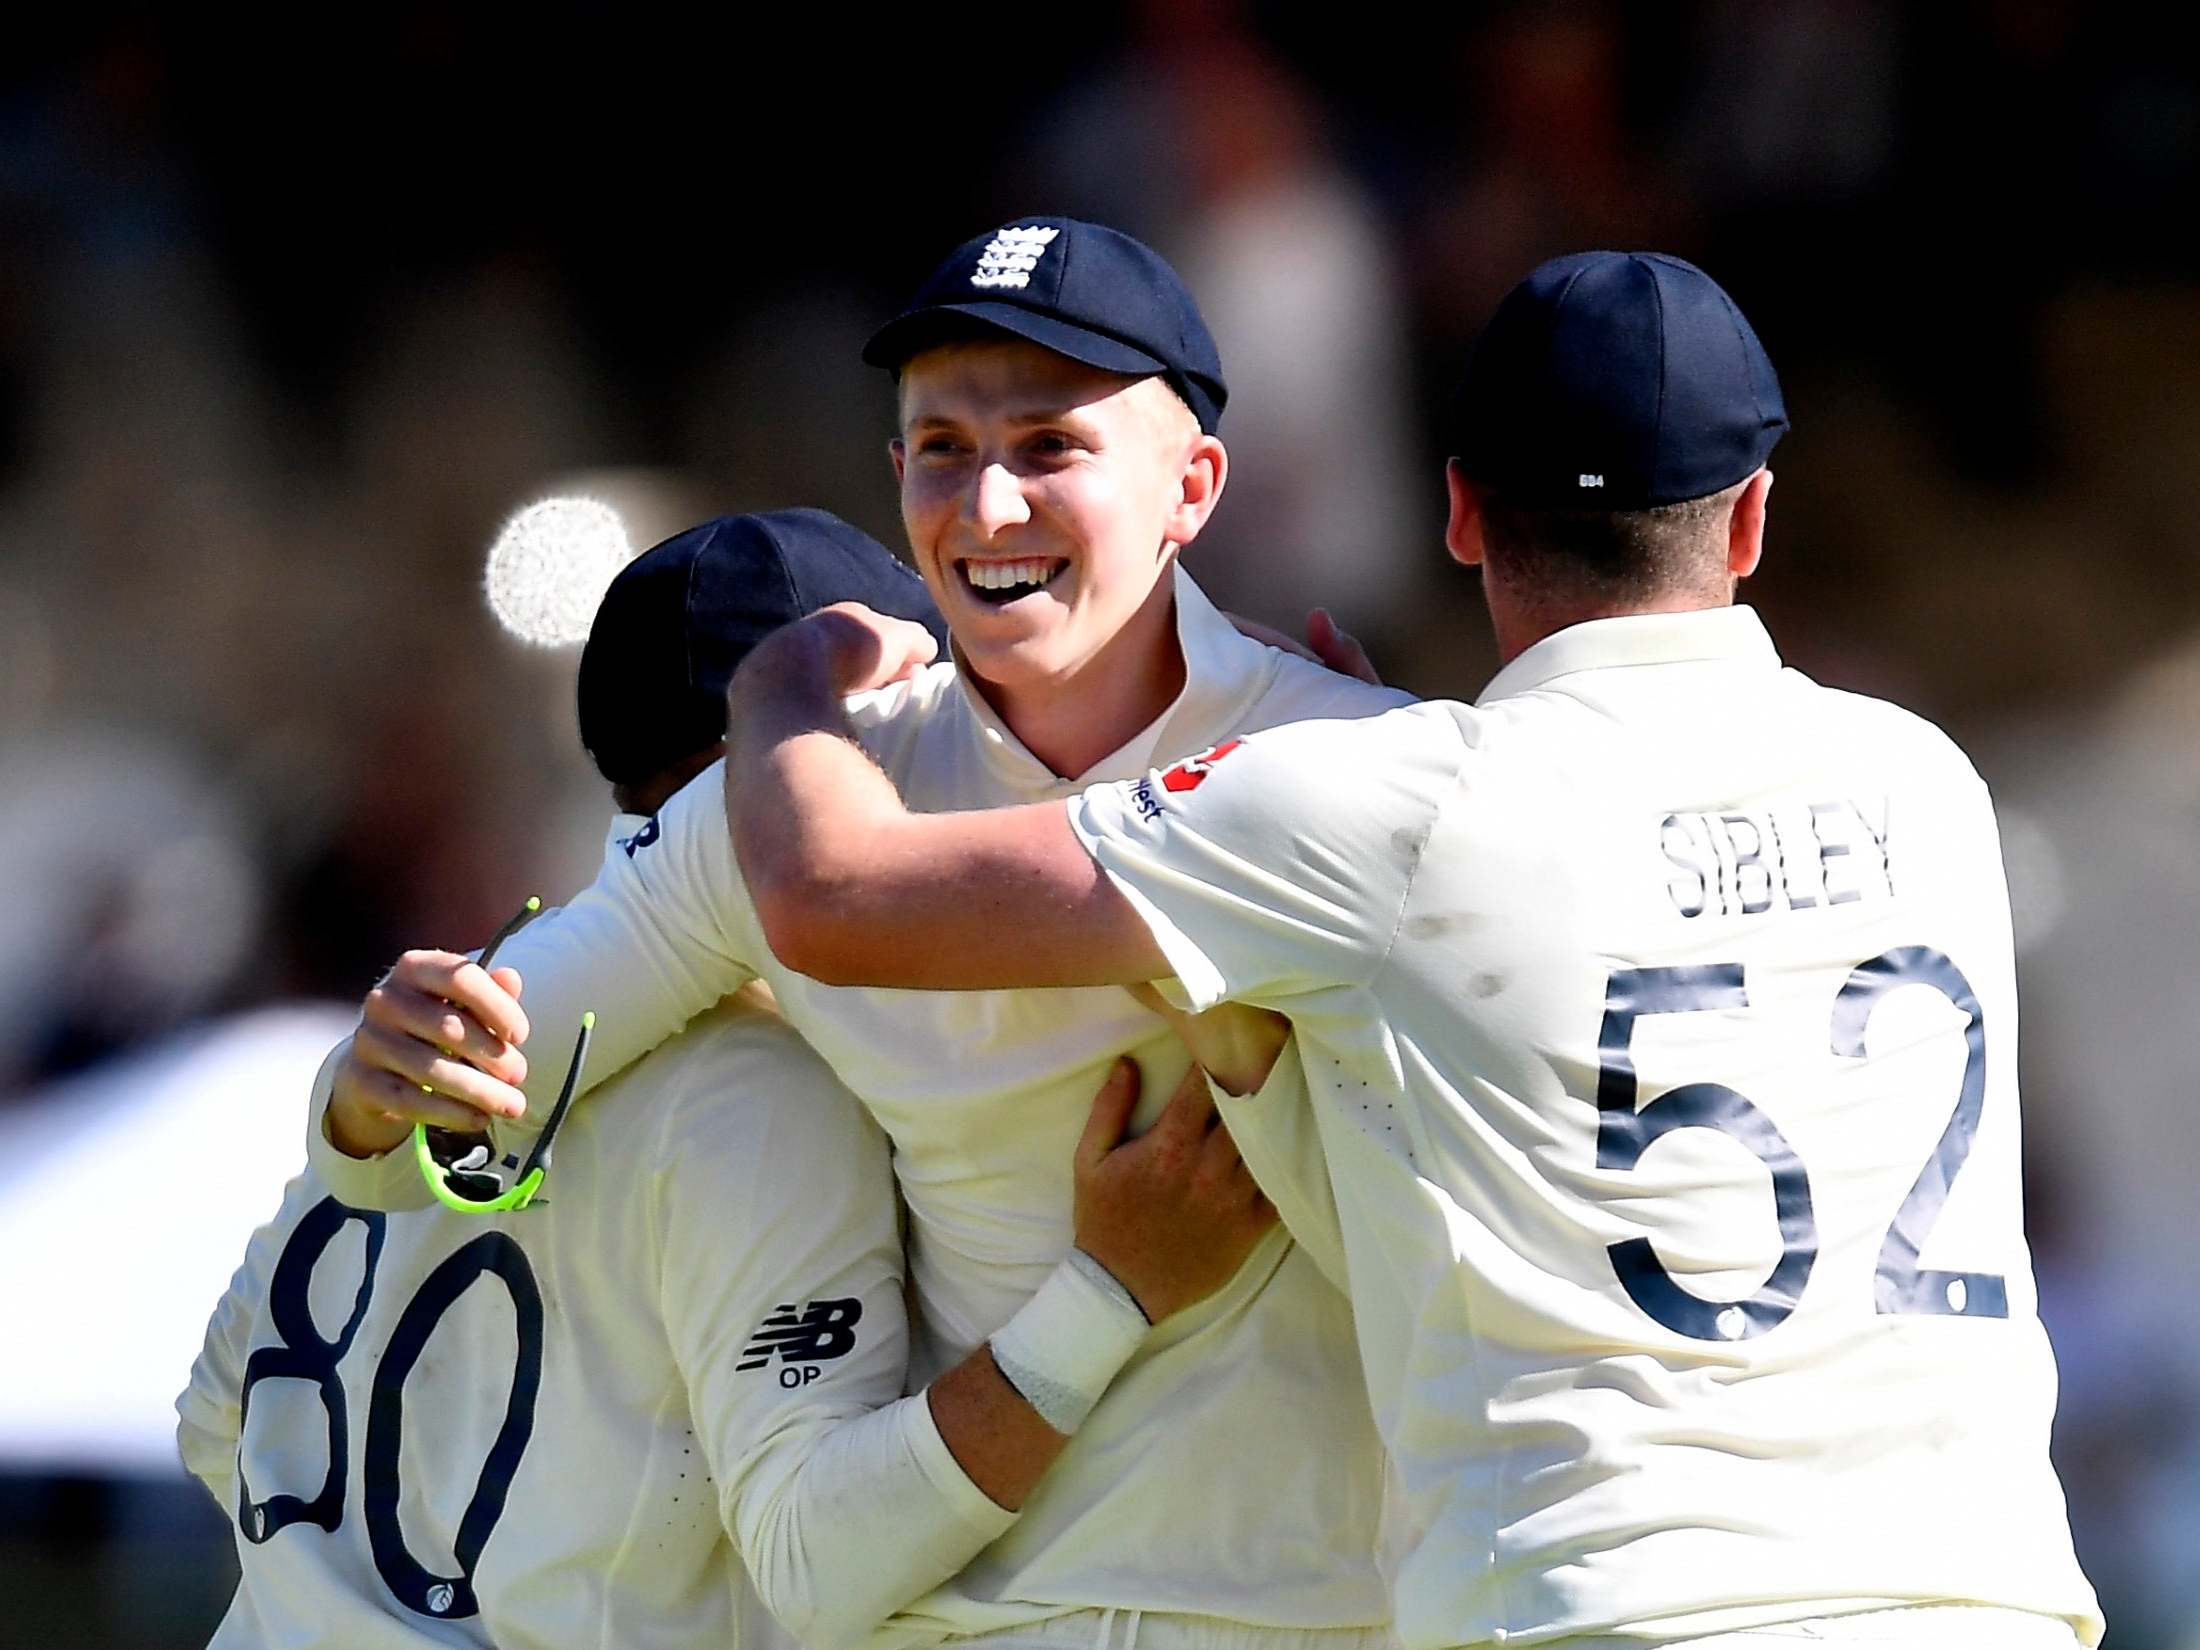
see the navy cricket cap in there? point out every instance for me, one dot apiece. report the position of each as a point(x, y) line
point(1615, 381)
point(681, 616)
point(1079, 289)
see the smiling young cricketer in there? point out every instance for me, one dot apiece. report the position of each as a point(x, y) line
point(1059, 402)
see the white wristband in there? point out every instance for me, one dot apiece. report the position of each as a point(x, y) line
point(1067, 1342)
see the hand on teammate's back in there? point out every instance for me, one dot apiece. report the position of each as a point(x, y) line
point(1174, 1213)
point(1327, 644)
point(437, 1044)
point(1339, 649)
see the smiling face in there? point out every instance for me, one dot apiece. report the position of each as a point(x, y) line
point(1045, 500)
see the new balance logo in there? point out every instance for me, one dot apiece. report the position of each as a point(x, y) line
point(1011, 256)
point(803, 1339)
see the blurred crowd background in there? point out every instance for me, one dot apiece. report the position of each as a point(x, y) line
point(293, 314)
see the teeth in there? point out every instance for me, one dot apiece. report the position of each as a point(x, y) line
point(1007, 575)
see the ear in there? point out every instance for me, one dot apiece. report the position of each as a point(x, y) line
point(1463, 532)
point(1745, 529)
point(1206, 469)
point(898, 450)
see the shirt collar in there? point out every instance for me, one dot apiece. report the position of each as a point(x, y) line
point(1224, 673)
point(624, 829)
point(1708, 635)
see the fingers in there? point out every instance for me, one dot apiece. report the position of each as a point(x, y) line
point(422, 1065)
point(1214, 1162)
point(1174, 1212)
point(1337, 648)
point(492, 1000)
point(435, 1045)
point(1243, 1176)
point(1220, 1165)
point(1110, 1114)
point(389, 1095)
point(918, 648)
point(869, 649)
point(1268, 636)
point(1190, 1112)
point(1322, 631)
point(439, 1028)
point(1219, 1161)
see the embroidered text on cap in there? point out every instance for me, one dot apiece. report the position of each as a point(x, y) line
point(1010, 257)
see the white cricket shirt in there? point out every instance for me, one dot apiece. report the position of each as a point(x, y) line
point(1658, 1021)
point(534, 1429)
point(1174, 1495)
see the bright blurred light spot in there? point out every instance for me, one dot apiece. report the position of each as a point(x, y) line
point(550, 566)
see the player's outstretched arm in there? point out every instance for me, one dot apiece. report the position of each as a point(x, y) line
point(853, 889)
point(663, 932)
point(1259, 874)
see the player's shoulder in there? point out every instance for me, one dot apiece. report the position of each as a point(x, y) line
point(1884, 732)
point(1339, 780)
point(1298, 690)
point(735, 1043)
point(1367, 728)
point(737, 1082)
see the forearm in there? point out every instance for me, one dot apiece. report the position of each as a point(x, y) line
point(661, 934)
point(803, 800)
point(996, 1437)
point(844, 1527)
point(853, 889)
point(877, 1513)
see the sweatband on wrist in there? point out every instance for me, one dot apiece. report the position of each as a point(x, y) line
point(1066, 1343)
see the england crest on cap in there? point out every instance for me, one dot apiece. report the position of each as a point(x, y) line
point(1079, 289)
point(1011, 256)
